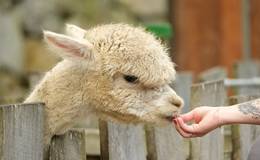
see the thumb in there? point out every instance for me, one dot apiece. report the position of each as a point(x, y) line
point(194, 128)
point(186, 117)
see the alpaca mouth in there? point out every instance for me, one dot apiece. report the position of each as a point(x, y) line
point(170, 118)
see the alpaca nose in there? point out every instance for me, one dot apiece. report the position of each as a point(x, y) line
point(177, 102)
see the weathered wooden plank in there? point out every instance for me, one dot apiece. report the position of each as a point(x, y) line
point(243, 136)
point(182, 87)
point(215, 73)
point(103, 132)
point(209, 147)
point(124, 142)
point(254, 153)
point(92, 142)
point(247, 133)
point(21, 131)
point(92, 136)
point(150, 142)
point(70, 146)
point(219, 73)
point(165, 142)
point(248, 69)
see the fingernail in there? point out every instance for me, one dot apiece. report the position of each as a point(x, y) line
point(174, 121)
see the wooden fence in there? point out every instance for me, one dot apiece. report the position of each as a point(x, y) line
point(21, 130)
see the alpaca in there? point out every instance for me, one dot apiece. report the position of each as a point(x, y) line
point(116, 71)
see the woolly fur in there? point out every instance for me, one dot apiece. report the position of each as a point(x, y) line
point(90, 78)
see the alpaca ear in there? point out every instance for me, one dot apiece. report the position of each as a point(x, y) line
point(75, 31)
point(68, 47)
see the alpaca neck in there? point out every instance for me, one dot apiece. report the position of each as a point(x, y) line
point(61, 91)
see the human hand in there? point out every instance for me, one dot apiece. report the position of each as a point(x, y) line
point(205, 120)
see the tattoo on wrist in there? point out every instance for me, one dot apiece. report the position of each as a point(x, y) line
point(251, 108)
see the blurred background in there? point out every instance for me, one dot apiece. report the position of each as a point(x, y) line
point(24, 56)
point(208, 39)
point(201, 34)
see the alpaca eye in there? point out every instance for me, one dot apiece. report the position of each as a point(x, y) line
point(130, 78)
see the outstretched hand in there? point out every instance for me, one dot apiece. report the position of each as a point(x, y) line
point(205, 119)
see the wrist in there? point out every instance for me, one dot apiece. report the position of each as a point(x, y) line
point(231, 115)
point(224, 115)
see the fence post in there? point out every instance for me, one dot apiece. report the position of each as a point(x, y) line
point(242, 135)
point(70, 146)
point(215, 73)
point(121, 141)
point(209, 147)
point(248, 69)
point(103, 133)
point(220, 73)
point(182, 86)
point(21, 131)
point(164, 142)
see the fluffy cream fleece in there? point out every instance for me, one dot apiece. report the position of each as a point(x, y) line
point(116, 71)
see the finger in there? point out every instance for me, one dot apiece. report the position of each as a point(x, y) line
point(187, 116)
point(186, 135)
point(193, 129)
point(182, 133)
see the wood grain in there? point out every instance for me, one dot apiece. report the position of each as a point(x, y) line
point(70, 146)
point(21, 131)
point(210, 146)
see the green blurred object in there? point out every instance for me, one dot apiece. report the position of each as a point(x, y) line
point(163, 30)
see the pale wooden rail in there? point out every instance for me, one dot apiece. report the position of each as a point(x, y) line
point(210, 146)
point(122, 142)
point(70, 146)
point(164, 142)
point(21, 131)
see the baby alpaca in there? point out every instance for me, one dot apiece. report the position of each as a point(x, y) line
point(115, 71)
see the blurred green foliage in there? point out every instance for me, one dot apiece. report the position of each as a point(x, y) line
point(162, 30)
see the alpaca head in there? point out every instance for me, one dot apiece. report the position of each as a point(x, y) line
point(127, 71)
